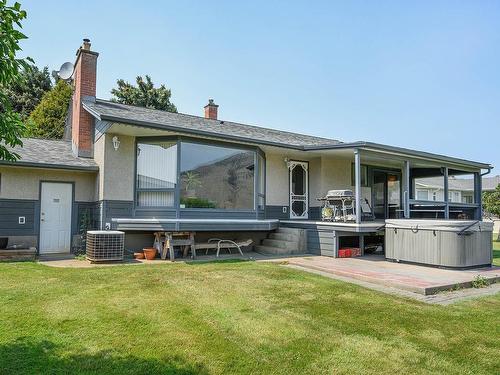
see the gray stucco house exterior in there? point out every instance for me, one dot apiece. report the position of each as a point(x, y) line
point(142, 170)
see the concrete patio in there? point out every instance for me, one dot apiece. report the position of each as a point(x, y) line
point(413, 278)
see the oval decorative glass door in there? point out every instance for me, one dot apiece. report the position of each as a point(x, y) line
point(299, 202)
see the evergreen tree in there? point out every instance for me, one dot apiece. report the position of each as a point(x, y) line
point(26, 92)
point(48, 118)
point(143, 95)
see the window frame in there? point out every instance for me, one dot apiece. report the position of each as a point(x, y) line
point(139, 190)
point(418, 190)
point(363, 173)
point(178, 140)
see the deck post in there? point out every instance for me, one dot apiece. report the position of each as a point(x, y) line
point(406, 189)
point(446, 194)
point(357, 182)
point(478, 195)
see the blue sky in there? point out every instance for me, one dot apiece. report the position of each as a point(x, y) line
point(422, 74)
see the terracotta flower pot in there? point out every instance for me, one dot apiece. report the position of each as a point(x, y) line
point(139, 255)
point(149, 253)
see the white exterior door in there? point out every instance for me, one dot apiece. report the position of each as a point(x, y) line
point(299, 189)
point(55, 217)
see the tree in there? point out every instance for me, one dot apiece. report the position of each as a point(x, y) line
point(11, 127)
point(48, 118)
point(143, 95)
point(491, 203)
point(26, 93)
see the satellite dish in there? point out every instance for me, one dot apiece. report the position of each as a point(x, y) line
point(66, 71)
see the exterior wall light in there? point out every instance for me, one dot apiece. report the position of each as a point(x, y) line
point(116, 143)
point(287, 162)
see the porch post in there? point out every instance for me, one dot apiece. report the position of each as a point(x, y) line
point(406, 189)
point(446, 194)
point(357, 183)
point(478, 196)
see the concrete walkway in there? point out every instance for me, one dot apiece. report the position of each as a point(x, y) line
point(413, 278)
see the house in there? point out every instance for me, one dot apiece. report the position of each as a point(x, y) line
point(141, 170)
point(459, 189)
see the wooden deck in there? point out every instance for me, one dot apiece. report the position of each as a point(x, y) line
point(364, 227)
point(198, 225)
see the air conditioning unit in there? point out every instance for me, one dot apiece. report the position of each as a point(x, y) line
point(105, 245)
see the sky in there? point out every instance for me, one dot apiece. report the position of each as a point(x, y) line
point(418, 74)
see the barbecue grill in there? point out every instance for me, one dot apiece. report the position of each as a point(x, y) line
point(338, 205)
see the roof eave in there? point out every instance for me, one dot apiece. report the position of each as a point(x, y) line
point(370, 146)
point(23, 164)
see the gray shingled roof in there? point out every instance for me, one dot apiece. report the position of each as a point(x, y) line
point(115, 112)
point(50, 153)
point(488, 183)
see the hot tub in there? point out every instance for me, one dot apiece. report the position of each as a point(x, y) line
point(445, 243)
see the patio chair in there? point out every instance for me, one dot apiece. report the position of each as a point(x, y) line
point(219, 243)
point(366, 210)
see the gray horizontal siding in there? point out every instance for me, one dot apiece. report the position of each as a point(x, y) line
point(320, 242)
point(11, 209)
point(111, 209)
point(315, 213)
point(276, 212)
point(79, 210)
point(118, 208)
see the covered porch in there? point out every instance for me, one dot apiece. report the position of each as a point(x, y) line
point(391, 183)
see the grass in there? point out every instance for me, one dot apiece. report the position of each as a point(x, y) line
point(496, 251)
point(232, 318)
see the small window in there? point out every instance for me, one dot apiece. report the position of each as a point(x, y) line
point(422, 195)
point(469, 199)
point(364, 175)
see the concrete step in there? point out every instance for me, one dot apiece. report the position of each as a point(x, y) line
point(262, 249)
point(18, 254)
point(289, 245)
point(283, 236)
point(287, 230)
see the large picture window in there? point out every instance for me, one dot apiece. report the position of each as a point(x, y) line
point(216, 177)
point(156, 174)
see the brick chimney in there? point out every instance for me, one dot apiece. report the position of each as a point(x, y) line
point(211, 110)
point(84, 81)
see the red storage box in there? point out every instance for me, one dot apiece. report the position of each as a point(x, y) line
point(344, 253)
point(355, 252)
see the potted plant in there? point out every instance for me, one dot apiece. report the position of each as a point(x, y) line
point(191, 182)
point(149, 253)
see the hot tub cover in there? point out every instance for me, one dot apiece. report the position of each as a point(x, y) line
point(440, 225)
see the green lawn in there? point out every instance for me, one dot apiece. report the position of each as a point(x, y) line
point(496, 252)
point(233, 318)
